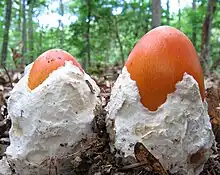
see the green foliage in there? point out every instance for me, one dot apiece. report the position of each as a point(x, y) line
point(111, 21)
point(2, 6)
point(215, 39)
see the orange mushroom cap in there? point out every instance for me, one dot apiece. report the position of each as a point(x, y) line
point(159, 60)
point(47, 63)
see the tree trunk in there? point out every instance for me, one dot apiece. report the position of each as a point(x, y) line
point(88, 32)
point(24, 32)
point(168, 12)
point(119, 41)
point(156, 13)
point(51, 43)
point(84, 59)
point(6, 31)
point(179, 16)
point(30, 30)
point(106, 59)
point(41, 40)
point(194, 23)
point(19, 16)
point(61, 24)
point(206, 34)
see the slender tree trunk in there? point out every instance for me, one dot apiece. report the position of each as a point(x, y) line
point(119, 41)
point(30, 30)
point(19, 16)
point(84, 58)
point(144, 24)
point(168, 12)
point(107, 55)
point(147, 22)
point(61, 24)
point(194, 23)
point(206, 34)
point(6, 31)
point(88, 32)
point(156, 13)
point(41, 39)
point(52, 42)
point(24, 32)
point(179, 15)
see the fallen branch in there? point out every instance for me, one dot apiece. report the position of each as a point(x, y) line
point(6, 71)
point(135, 165)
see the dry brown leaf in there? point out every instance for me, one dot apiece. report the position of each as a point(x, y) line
point(1, 99)
point(143, 155)
point(213, 100)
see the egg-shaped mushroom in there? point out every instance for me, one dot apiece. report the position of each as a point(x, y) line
point(51, 109)
point(159, 100)
point(46, 63)
point(158, 62)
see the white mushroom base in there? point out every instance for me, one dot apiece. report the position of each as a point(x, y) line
point(4, 167)
point(50, 120)
point(179, 133)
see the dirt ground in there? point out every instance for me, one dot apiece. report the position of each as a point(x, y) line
point(96, 158)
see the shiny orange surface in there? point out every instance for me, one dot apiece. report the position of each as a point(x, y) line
point(159, 60)
point(47, 63)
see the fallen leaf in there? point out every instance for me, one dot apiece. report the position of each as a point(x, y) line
point(213, 100)
point(1, 99)
point(143, 155)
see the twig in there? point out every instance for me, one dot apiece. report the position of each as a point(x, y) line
point(6, 71)
point(135, 165)
point(208, 172)
point(90, 86)
point(140, 173)
point(4, 142)
point(212, 169)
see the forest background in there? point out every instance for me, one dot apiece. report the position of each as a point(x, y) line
point(103, 32)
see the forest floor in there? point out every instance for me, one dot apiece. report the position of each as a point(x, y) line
point(96, 158)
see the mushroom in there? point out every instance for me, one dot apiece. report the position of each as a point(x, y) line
point(51, 109)
point(47, 63)
point(159, 101)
